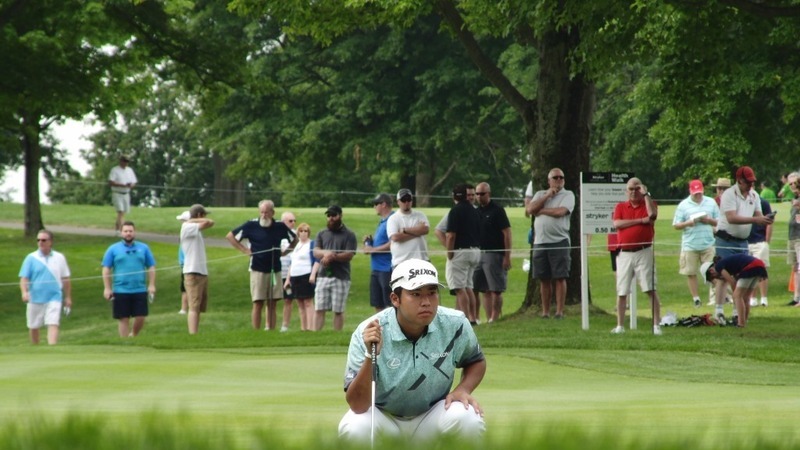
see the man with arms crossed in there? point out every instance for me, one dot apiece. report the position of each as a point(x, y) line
point(551, 245)
point(491, 274)
point(44, 282)
point(419, 346)
point(130, 263)
point(265, 235)
point(407, 229)
point(696, 216)
point(195, 269)
point(121, 179)
point(634, 220)
point(335, 246)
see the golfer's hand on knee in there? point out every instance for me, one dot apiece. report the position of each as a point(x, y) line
point(464, 398)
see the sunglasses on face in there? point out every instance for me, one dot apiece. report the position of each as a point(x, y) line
point(405, 199)
point(481, 194)
point(557, 177)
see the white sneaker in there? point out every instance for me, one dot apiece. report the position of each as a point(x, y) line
point(753, 302)
point(266, 328)
point(657, 330)
point(720, 318)
point(284, 329)
point(618, 330)
point(764, 302)
point(711, 302)
point(183, 311)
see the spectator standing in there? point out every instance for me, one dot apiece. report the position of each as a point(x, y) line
point(551, 209)
point(720, 187)
point(195, 267)
point(758, 246)
point(264, 235)
point(407, 229)
point(378, 247)
point(441, 228)
point(335, 247)
point(424, 344)
point(45, 285)
point(121, 179)
point(495, 232)
point(289, 220)
point(696, 216)
point(794, 237)
point(767, 193)
point(786, 193)
point(463, 251)
point(634, 220)
point(129, 277)
point(182, 217)
point(302, 276)
point(740, 209)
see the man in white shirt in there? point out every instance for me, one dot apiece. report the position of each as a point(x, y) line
point(121, 179)
point(195, 269)
point(407, 229)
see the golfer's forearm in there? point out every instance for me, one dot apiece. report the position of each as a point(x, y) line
point(359, 393)
point(472, 376)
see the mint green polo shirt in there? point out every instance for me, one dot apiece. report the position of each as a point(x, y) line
point(413, 376)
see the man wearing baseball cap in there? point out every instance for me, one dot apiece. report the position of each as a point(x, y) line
point(335, 246)
point(740, 208)
point(696, 216)
point(419, 346)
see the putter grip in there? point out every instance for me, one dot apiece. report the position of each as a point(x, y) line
point(374, 356)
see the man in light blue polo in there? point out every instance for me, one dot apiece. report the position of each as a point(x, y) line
point(132, 269)
point(45, 285)
point(696, 216)
point(425, 343)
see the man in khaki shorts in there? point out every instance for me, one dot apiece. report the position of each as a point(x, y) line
point(265, 235)
point(195, 269)
point(696, 216)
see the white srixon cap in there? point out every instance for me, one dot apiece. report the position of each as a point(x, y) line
point(704, 271)
point(414, 274)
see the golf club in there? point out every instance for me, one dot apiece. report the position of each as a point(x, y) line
point(374, 377)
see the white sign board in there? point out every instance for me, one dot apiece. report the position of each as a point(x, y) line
point(600, 193)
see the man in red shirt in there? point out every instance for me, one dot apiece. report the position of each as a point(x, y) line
point(634, 220)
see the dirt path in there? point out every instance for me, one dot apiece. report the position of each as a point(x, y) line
point(141, 235)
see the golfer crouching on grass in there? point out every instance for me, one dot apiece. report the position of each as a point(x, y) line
point(416, 364)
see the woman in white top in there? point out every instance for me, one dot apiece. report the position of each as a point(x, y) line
point(302, 277)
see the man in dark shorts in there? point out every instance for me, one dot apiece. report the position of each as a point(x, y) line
point(742, 273)
point(133, 269)
point(551, 245)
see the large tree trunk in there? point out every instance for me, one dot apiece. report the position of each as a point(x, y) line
point(565, 106)
point(33, 164)
point(227, 192)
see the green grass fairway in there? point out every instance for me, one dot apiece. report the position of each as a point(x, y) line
point(549, 383)
point(295, 395)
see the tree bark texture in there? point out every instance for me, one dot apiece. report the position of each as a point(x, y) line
point(33, 163)
point(565, 105)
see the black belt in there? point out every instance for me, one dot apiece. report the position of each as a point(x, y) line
point(725, 236)
point(636, 249)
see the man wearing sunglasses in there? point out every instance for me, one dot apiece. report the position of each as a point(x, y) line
point(551, 245)
point(45, 285)
point(407, 229)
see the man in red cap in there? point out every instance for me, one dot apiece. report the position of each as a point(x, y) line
point(740, 208)
point(696, 216)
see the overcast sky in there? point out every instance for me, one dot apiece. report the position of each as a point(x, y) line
point(72, 136)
